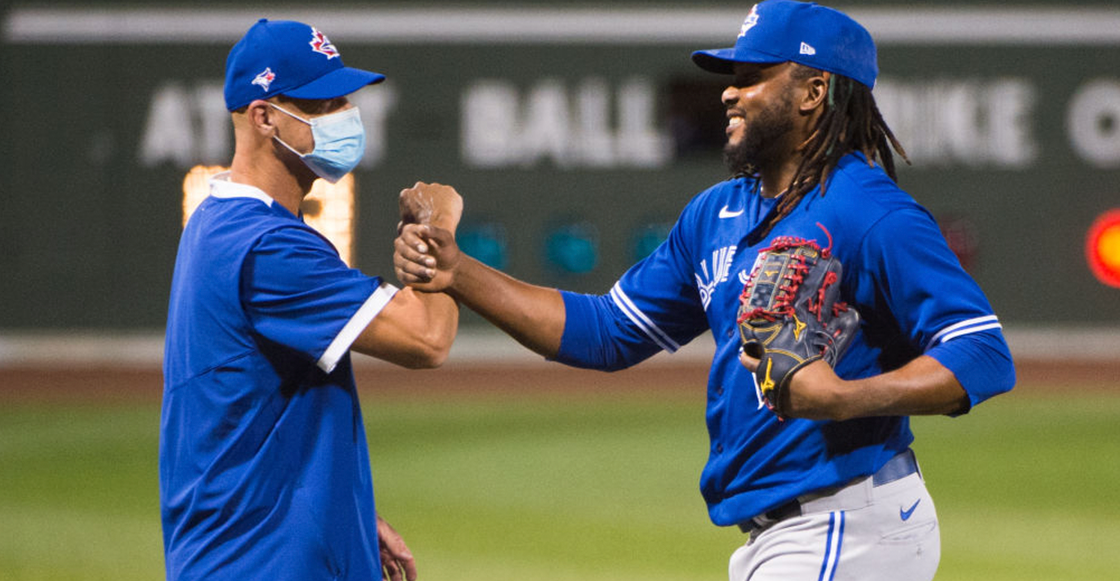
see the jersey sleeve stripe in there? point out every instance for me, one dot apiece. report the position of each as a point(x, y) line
point(643, 322)
point(971, 330)
point(965, 327)
point(355, 326)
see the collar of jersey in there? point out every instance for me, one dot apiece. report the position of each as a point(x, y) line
point(221, 187)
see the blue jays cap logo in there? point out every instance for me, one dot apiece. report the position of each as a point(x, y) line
point(264, 79)
point(752, 19)
point(322, 45)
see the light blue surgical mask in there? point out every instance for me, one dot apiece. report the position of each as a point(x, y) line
point(340, 141)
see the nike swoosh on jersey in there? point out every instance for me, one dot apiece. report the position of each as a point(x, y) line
point(906, 514)
point(724, 213)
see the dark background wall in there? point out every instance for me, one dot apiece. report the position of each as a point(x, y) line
point(574, 146)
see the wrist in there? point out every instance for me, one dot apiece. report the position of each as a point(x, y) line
point(445, 223)
point(843, 400)
point(462, 278)
point(817, 393)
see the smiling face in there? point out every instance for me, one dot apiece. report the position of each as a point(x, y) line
point(760, 116)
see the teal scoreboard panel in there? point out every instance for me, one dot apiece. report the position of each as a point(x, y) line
point(575, 135)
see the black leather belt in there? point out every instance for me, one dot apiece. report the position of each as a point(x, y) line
point(900, 466)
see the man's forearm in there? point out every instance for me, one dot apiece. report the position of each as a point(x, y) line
point(531, 314)
point(921, 387)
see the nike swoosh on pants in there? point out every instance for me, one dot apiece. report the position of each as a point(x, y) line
point(906, 514)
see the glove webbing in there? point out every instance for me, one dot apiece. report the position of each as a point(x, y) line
point(783, 306)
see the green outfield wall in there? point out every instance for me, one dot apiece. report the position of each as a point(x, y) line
point(575, 132)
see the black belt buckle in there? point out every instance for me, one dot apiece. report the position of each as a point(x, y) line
point(771, 517)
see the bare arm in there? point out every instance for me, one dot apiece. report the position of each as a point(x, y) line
point(428, 259)
point(922, 387)
point(416, 329)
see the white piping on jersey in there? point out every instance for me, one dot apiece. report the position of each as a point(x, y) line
point(964, 328)
point(354, 327)
point(221, 187)
point(643, 322)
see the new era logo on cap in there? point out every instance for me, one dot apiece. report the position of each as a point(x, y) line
point(284, 57)
point(806, 49)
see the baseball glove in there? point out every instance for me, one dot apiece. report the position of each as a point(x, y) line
point(790, 314)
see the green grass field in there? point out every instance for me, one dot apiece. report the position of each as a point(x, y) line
point(557, 487)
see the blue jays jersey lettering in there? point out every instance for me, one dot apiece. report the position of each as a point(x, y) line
point(264, 470)
point(692, 283)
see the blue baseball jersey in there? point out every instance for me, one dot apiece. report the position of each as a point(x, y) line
point(899, 273)
point(264, 470)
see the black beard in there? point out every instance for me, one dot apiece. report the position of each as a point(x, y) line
point(739, 161)
point(761, 141)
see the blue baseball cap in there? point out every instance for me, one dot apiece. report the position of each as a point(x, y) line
point(816, 36)
point(288, 58)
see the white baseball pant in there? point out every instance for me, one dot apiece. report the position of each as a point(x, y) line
point(862, 532)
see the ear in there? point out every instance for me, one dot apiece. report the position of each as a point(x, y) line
point(262, 118)
point(816, 93)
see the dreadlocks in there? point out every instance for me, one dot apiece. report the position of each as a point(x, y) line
point(851, 122)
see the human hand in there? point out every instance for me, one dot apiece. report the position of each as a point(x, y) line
point(790, 317)
point(397, 562)
point(814, 391)
point(425, 257)
point(431, 204)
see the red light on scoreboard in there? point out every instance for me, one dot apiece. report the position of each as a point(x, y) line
point(1102, 248)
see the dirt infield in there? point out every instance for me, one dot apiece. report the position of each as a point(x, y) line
point(119, 384)
point(123, 383)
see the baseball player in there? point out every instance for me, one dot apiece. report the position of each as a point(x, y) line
point(264, 469)
point(832, 491)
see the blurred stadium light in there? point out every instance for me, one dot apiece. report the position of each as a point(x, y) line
point(329, 208)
